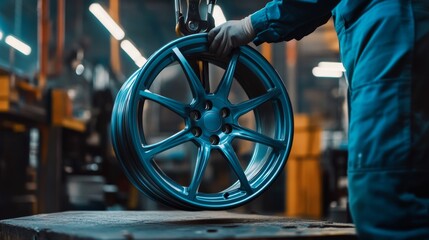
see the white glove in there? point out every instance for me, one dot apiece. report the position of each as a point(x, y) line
point(231, 34)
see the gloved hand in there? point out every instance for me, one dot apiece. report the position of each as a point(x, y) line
point(231, 34)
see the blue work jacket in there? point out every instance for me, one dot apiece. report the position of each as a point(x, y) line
point(285, 20)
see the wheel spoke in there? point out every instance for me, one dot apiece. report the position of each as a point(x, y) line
point(200, 167)
point(193, 80)
point(226, 82)
point(169, 103)
point(234, 163)
point(253, 136)
point(166, 144)
point(244, 107)
point(205, 75)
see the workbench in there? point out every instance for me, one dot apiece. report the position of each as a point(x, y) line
point(134, 225)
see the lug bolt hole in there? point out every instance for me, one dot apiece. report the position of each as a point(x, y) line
point(226, 195)
point(209, 105)
point(196, 131)
point(227, 128)
point(214, 140)
point(224, 112)
point(195, 115)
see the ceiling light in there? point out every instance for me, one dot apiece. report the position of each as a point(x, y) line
point(1, 35)
point(79, 69)
point(130, 49)
point(107, 21)
point(18, 44)
point(218, 15)
point(141, 61)
point(327, 72)
point(133, 52)
point(334, 65)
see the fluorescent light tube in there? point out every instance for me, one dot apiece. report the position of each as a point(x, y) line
point(335, 65)
point(107, 21)
point(141, 61)
point(327, 72)
point(133, 52)
point(130, 49)
point(18, 45)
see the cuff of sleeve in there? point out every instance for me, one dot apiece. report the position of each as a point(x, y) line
point(259, 20)
point(261, 27)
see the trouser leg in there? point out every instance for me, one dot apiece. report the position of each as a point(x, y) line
point(388, 171)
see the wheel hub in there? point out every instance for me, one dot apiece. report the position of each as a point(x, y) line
point(212, 121)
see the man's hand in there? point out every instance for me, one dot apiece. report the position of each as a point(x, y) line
point(232, 34)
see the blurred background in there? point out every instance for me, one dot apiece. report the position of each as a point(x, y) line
point(60, 71)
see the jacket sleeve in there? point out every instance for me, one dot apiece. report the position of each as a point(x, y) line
point(283, 20)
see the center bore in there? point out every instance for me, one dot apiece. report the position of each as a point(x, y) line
point(212, 121)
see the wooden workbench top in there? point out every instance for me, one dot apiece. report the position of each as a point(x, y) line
point(133, 225)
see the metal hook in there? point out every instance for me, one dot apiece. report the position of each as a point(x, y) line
point(193, 22)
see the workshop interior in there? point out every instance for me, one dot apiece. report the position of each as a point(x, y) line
point(109, 105)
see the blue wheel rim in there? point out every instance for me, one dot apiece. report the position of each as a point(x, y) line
point(215, 128)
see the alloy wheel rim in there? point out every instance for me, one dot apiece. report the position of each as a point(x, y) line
point(211, 122)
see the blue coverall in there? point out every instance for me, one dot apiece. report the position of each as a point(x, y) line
point(384, 46)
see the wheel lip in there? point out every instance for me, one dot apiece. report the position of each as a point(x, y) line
point(252, 56)
point(120, 147)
